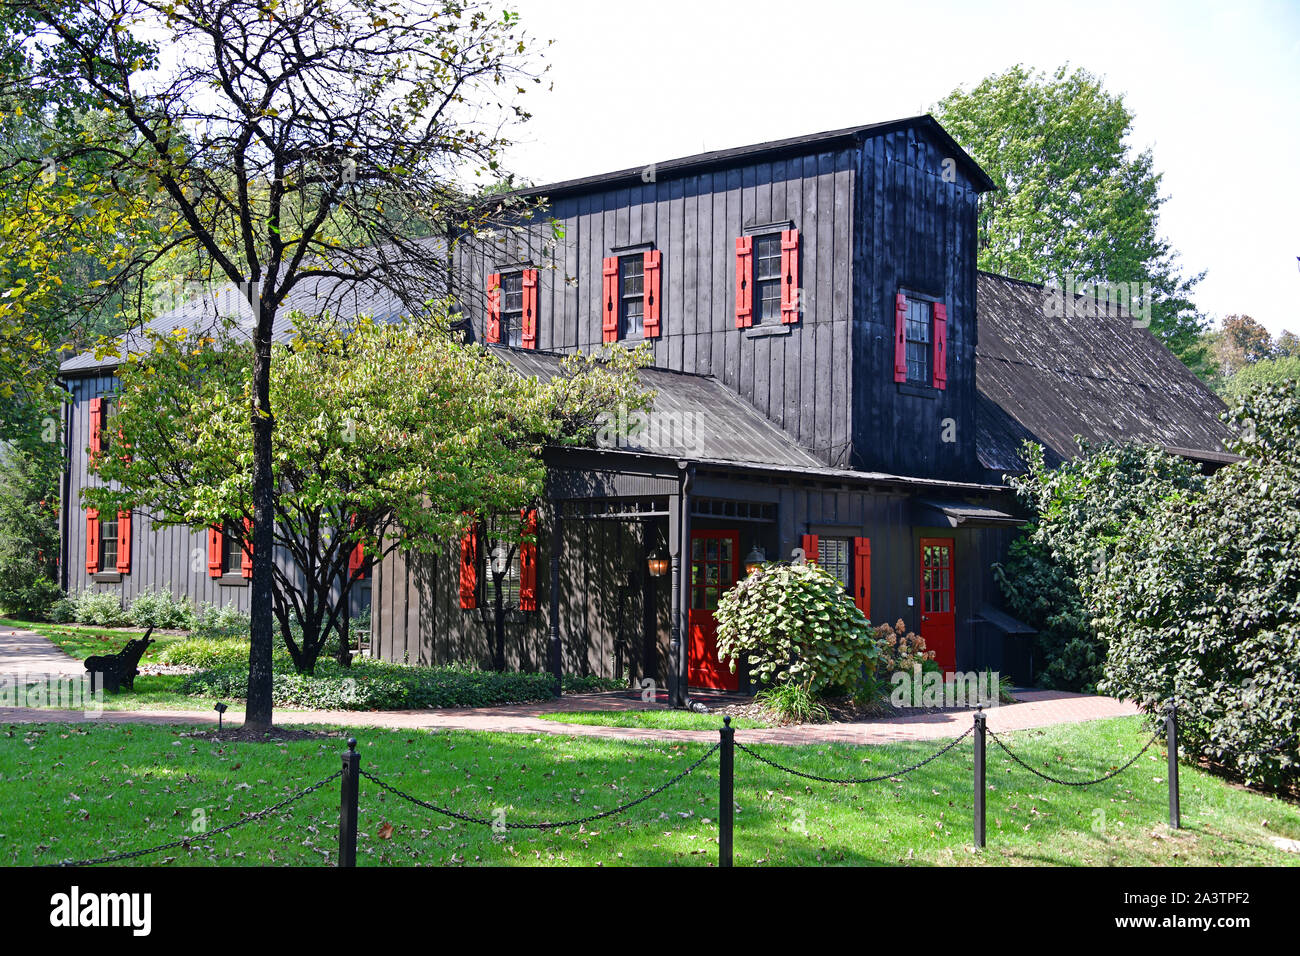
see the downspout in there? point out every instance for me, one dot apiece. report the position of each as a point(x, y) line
point(682, 599)
point(65, 486)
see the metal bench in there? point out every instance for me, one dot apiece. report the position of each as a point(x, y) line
point(116, 671)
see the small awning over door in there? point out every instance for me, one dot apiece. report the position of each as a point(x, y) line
point(931, 512)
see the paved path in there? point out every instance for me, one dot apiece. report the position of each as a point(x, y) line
point(1038, 709)
point(26, 652)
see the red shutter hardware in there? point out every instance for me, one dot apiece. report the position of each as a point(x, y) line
point(469, 568)
point(246, 550)
point(92, 541)
point(862, 575)
point(528, 562)
point(96, 427)
point(790, 276)
point(609, 299)
point(650, 308)
point(214, 551)
point(493, 332)
point(744, 282)
point(809, 544)
point(529, 336)
point(900, 338)
point(940, 346)
point(124, 542)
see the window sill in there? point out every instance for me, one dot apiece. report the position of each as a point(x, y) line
point(917, 391)
point(233, 581)
point(763, 331)
point(106, 577)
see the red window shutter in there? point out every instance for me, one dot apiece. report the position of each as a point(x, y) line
point(246, 550)
point(900, 338)
point(529, 334)
point(214, 551)
point(469, 568)
point(744, 282)
point(96, 427)
point(650, 308)
point(124, 542)
point(92, 541)
point(809, 544)
point(609, 299)
point(790, 276)
point(940, 345)
point(528, 562)
point(862, 575)
point(493, 332)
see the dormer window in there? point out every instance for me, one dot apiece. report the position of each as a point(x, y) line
point(631, 284)
point(917, 331)
point(920, 341)
point(512, 308)
point(767, 278)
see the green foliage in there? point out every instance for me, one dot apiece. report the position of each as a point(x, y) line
point(1074, 199)
point(100, 608)
point(793, 703)
point(1080, 511)
point(590, 684)
point(1256, 374)
point(796, 625)
point(152, 608)
point(29, 532)
point(374, 685)
point(1201, 600)
point(219, 622)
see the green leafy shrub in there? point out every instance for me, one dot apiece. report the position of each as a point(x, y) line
point(792, 703)
point(796, 625)
point(1081, 509)
point(152, 608)
point(100, 608)
point(208, 653)
point(376, 685)
point(62, 611)
point(219, 622)
point(591, 684)
point(1200, 603)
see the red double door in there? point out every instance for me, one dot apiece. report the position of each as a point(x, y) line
point(938, 607)
point(715, 567)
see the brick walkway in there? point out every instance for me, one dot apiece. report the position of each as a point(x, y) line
point(1037, 709)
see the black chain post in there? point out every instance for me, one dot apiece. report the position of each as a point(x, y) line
point(726, 790)
point(980, 788)
point(1171, 743)
point(348, 805)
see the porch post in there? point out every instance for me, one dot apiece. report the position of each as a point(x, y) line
point(676, 695)
point(557, 538)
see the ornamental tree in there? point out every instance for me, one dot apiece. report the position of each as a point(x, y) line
point(280, 145)
point(796, 625)
point(388, 436)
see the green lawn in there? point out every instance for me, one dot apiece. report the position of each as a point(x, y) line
point(82, 641)
point(76, 791)
point(658, 719)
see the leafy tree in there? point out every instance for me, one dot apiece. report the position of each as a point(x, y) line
point(388, 436)
point(29, 534)
point(1074, 200)
point(1202, 605)
point(1265, 371)
point(1080, 510)
point(283, 145)
point(1242, 341)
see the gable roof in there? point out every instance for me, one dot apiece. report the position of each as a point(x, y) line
point(845, 138)
point(1049, 378)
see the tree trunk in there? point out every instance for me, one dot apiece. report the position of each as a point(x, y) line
point(499, 642)
point(257, 715)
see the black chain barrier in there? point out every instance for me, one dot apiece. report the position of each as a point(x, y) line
point(203, 837)
point(467, 818)
point(850, 780)
point(1075, 783)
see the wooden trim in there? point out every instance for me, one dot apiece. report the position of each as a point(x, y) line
point(528, 562)
point(124, 542)
point(609, 299)
point(900, 337)
point(215, 535)
point(940, 321)
point(809, 544)
point(246, 550)
point(790, 293)
point(492, 333)
point(744, 281)
point(469, 568)
point(528, 334)
point(651, 284)
point(862, 575)
point(92, 540)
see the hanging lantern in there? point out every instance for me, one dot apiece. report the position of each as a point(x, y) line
point(755, 559)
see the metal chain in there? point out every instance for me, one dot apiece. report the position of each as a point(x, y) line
point(883, 776)
point(187, 841)
point(466, 818)
point(1075, 783)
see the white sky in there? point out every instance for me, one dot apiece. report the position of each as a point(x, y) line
point(1215, 89)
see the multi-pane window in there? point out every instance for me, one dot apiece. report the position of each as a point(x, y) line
point(512, 308)
point(232, 548)
point(917, 332)
point(108, 543)
point(836, 556)
point(767, 278)
point(501, 544)
point(631, 292)
point(713, 568)
point(108, 431)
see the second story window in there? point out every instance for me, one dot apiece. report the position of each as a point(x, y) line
point(917, 331)
point(231, 548)
point(767, 278)
point(512, 308)
point(631, 286)
point(108, 542)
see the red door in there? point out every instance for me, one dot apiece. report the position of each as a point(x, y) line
point(715, 562)
point(938, 609)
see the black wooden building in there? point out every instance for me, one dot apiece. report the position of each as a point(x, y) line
point(834, 379)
